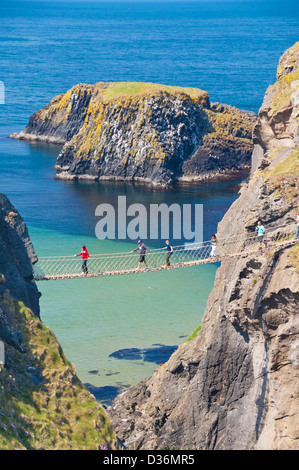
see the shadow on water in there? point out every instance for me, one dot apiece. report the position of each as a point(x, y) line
point(105, 395)
point(158, 354)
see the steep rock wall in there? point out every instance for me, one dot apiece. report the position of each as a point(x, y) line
point(235, 385)
point(17, 256)
point(43, 404)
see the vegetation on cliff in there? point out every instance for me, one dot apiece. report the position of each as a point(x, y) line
point(43, 405)
point(279, 166)
point(234, 385)
point(287, 74)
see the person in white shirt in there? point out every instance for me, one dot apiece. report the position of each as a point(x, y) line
point(214, 246)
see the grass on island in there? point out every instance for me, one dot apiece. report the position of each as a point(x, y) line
point(124, 89)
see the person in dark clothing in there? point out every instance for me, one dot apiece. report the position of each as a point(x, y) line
point(85, 255)
point(142, 250)
point(169, 250)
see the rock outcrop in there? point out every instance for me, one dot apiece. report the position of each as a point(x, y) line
point(43, 404)
point(17, 256)
point(235, 385)
point(143, 132)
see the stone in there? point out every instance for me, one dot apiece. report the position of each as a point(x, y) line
point(234, 386)
point(17, 257)
point(146, 133)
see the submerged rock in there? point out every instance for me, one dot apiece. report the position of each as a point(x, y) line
point(158, 354)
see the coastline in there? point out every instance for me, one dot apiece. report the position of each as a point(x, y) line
point(184, 180)
point(36, 138)
point(151, 134)
point(229, 175)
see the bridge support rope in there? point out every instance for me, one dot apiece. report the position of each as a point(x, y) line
point(193, 254)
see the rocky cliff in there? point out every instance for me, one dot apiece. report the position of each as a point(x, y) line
point(235, 385)
point(143, 132)
point(43, 405)
point(17, 257)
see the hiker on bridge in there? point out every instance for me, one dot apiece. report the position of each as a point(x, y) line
point(214, 246)
point(85, 255)
point(169, 250)
point(142, 250)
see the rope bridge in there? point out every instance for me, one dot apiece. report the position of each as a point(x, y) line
point(192, 254)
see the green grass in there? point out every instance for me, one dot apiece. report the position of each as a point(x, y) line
point(124, 89)
point(289, 165)
point(283, 88)
point(57, 413)
point(294, 257)
point(282, 95)
point(194, 333)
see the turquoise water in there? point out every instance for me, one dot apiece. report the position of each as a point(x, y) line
point(229, 48)
point(94, 318)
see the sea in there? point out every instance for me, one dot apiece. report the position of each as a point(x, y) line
point(117, 330)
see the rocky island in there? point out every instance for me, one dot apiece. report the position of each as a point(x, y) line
point(235, 385)
point(143, 132)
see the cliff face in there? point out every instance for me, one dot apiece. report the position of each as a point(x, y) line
point(17, 257)
point(235, 385)
point(143, 132)
point(43, 405)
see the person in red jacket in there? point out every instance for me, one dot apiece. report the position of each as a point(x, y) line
point(85, 255)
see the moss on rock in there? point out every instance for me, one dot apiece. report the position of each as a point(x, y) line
point(43, 404)
point(142, 132)
point(287, 73)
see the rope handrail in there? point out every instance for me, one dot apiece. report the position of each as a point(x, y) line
point(252, 235)
point(58, 267)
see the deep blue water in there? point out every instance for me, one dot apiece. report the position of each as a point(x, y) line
point(69, 207)
point(228, 48)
